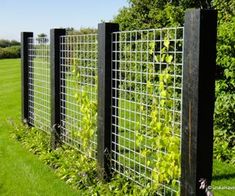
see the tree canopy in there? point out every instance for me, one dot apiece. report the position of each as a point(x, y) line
point(142, 14)
point(42, 38)
point(7, 43)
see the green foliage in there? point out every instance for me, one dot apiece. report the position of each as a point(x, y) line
point(42, 38)
point(224, 136)
point(224, 146)
point(81, 31)
point(224, 116)
point(166, 169)
point(204, 4)
point(226, 57)
point(10, 52)
point(75, 169)
point(88, 106)
point(9, 49)
point(146, 14)
point(226, 10)
point(80, 172)
point(149, 14)
point(8, 43)
point(225, 113)
point(4, 43)
point(165, 154)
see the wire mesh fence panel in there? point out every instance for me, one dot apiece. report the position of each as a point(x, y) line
point(78, 66)
point(146, 96)
point(39, 83)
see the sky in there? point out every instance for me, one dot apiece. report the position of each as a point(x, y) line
point(39, 16)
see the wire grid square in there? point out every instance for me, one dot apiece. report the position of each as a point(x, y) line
point(147, 99)
point(39, 83)
point(78, 66)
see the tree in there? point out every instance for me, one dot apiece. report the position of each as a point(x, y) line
point(4, 43)
point(81, 31)
point(149, 14)
point(142, 14)
point(15, 43)
point(42, 38)
point(8, 43)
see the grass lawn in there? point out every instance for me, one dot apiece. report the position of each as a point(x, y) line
point(21, 173)
point(223, 176)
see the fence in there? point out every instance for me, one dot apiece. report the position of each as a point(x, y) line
point(139, 102)
point(147, 85)
point(39, 83)
point(78, 65)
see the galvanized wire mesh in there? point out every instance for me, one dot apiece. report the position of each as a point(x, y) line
point(147, 92)
point(78, 66)
point(39, 83)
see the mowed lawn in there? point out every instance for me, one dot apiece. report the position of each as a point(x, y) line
point(21, 173)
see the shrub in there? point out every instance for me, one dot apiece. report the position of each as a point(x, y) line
point(224, 116)
point(10, 52)
point(75, 169)
point(224, 136)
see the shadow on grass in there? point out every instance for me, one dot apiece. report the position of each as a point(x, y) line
point(1, 189)
point(223, 176)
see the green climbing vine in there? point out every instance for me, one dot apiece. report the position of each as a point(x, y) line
point(161, 151)
point(88, 108)
point(164, 155)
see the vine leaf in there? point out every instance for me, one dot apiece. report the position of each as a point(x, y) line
point(169, 59)
point(151, 47)
point(157, 58)
point(166, 43)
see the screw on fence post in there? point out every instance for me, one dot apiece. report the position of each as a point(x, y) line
point(55, 85)
point(25, 76)
point(198, 100)
point(105, 97)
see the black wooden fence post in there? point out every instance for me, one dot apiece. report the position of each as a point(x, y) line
point(55, 84)
point(25, 76)
point(104, 96)
point(198, 100)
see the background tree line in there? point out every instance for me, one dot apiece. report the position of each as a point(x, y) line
point(9, 49)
